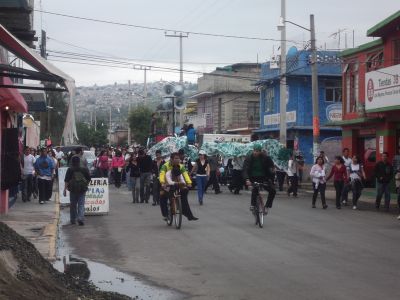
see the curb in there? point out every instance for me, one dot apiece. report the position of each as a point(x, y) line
point(51, 230)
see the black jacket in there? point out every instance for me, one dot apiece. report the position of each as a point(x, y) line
point(145, 164)
point(267, 163)
point(384, 172)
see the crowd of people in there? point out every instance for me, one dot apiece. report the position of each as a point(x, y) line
point(146, 177)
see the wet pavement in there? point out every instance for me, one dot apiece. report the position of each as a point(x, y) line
point(301, 253)
point(107, 278)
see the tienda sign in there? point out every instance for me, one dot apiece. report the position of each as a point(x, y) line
point(382, 89)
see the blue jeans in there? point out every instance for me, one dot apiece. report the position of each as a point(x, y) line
point(77, 206)
point(383, 189)
point(201, 182)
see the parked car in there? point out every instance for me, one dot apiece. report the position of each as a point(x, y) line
point(90, 158)
point(369, 161)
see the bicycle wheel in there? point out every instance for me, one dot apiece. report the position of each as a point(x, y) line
point(260, 208)
point(169, 214)
point(178, 213)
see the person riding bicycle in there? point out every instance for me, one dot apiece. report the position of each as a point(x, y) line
point(174, 163)
point(259, 167)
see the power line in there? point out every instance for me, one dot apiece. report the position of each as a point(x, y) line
point(164, 29)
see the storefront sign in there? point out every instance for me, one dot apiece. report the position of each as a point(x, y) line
point(382, 89)
point(97, 196)
point(275, 119)
point(334, 112)
point(239, 138)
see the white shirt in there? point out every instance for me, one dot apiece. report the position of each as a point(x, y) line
point(29, 160)
point(355, 170)
point(318, 174)
point(168, 177)
point(59, 154)
point(292, 168)
point(347, 162)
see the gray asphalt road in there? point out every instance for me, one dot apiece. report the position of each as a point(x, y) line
point(301, 253)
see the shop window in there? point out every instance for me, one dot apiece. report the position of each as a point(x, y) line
point(253, 113)
point(269, 100)
point(333, 91)
point(396, 52)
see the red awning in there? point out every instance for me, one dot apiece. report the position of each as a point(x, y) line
point(11, 97)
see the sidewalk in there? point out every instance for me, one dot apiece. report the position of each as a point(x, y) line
point(37, 223)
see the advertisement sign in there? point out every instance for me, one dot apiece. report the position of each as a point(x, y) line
point(97, 196)
point(381, 144)
point(334, 112)
point(382, 89)
point(275, 119)
point(197, 121)
point(209, 138)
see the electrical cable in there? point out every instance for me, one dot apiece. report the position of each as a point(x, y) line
point(164, 29)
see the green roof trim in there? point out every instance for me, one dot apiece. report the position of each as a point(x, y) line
point(383, 23)
point(361, 48)
point(352, 121)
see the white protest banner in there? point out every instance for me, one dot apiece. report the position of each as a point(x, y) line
point(61, 184)
point(97, 197)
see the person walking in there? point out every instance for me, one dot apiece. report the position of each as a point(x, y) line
point(28, 169)
point(44, 167)
point(157, 164)
point(237, 178)
point(317, 174)
point(347, 186)
point(384, 174)
point(145, 164)
point(191, 135)
point(202, 171)
point(292, 175)
point(102, 164)
point(134, 174)
point(339, 174)
point(357, 173)
point(117, 165)
point(213, 179)
point(77, 180)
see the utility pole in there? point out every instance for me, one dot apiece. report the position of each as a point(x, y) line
point(179, 35)
point(282, 93)
point(314, 83)
point(129, 108)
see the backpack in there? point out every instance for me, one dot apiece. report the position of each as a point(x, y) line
point(78, 184)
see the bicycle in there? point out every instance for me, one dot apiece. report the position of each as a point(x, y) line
point(259, 209)
point(174, 207)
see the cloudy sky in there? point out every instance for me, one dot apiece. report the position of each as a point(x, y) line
point(70, 39)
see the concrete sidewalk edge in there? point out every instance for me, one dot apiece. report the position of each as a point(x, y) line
point(51, 230)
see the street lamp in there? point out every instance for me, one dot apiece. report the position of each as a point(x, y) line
point(314, 79)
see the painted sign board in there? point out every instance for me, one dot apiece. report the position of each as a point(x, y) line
point(96, 198)
point(275, 119)
point(382, 89)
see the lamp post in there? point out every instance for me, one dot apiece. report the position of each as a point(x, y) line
point(314, 80)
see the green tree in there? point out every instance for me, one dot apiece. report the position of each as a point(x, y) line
point(139, 121)
point(89, 136)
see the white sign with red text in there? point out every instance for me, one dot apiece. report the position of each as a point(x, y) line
point(97, 197)
point(382, 88)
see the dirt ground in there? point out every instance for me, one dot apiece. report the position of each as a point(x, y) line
point(25, 274)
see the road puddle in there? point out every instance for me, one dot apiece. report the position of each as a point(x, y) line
point(110, 279)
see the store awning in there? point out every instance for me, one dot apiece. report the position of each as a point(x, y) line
point(11, 98)
point(28, 55)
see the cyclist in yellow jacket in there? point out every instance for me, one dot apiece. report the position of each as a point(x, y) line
point(186, 211)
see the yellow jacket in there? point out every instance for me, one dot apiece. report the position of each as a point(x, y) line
point(167, 167)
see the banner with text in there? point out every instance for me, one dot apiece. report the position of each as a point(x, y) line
point(382, 89)
point(275, 119)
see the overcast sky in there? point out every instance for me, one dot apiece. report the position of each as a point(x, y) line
point(254, 18)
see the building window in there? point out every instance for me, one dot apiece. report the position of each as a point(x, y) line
point(253, 114)
point(333, 91)
point(351, 85)
point(269, 100)
point(396, 52)
point(375, 61)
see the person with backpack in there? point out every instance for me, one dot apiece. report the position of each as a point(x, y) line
point(77, 180)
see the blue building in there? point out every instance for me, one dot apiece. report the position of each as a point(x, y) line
point(299, 105)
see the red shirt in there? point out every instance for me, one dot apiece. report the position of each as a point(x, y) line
point(338, 173)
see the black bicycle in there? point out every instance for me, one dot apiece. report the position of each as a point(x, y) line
point(174, 206)
point(259, 209)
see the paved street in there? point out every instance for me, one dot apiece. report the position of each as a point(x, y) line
point(301, 253)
